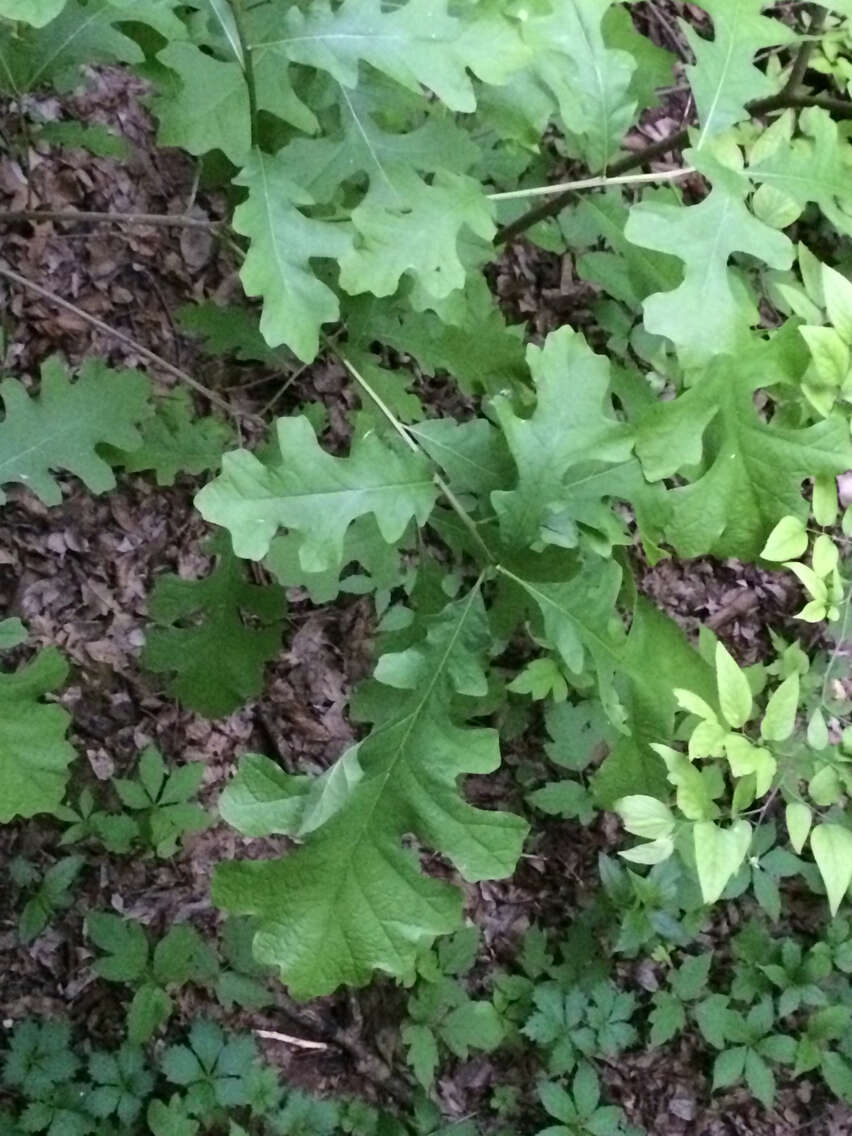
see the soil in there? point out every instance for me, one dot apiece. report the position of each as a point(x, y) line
point(79, 575)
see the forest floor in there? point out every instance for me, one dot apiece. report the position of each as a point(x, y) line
point(79, 576)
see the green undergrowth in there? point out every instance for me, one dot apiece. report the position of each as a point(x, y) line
point(376, 160)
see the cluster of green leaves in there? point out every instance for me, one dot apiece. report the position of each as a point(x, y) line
point(212, 1081)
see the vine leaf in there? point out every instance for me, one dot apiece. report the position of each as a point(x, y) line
point(724, 78)
point(283, 243)
point(704, 236)
point(591, 81)
point(353, 899)
point(204, 638)
point(753, 470)
point(61, 426)
point(416, 43)
point(34, 755)
point(315, 494)
point(175, 441)
point(209, 110)
point(573, 424)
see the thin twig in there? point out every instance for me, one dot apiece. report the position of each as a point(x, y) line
point(301, 1042)
point(590, 183)
point(122, 337)
point(7, 216)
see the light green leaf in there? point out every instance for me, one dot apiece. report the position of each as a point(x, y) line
point(202, 636)
point(787, 540)
point(62, 426)
point(210, 109)
point(734, 690)
point(315, 494)
point(278, 263)
point(724, 77)
point(718, 855)
point(832, 848)
point(472, 1025)
point(352, 899)
point(645, 816)
point(798, 818)
point(704, 236)
point(779, 718)
point(573, 425)
point(414, 43)
point(591, 81)
point(12, 633)
point(654, 852)
point(35, 12)
point(753, 471)
point(825, 556)
point(837, 290)
point(416, 231)
point(829, 352)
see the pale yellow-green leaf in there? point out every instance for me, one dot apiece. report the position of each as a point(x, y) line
point(798, 818)
point(838, 301)
point(824, 502)
point(811, 581)
point(779, 718)
point(744, 758)
point(692, 796)
point(813, 612)
point(775, 207)
point(734, 691)
point(829, 353)
point(825, 557)
point(817, 731)
point(693, 704)
point(832, 848)
point(719, 852)
point(824, 787)
point(787, 540)
point(654, 852)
